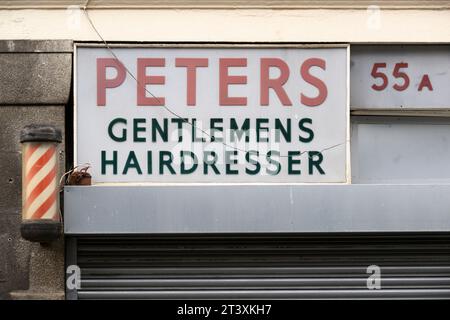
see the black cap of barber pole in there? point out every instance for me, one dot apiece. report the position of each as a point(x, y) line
point(40, 133)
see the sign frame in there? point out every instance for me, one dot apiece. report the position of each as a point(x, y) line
point(207, 45)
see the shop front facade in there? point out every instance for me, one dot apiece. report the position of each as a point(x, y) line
point(237, 150)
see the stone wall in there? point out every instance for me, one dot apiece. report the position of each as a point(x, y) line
point(35, 85)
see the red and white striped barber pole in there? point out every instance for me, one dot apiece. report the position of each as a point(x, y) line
point(41, 220)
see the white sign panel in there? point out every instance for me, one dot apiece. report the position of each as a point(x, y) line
point(408, 77)
point(221, 115)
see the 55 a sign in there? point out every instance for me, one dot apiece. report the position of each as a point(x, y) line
point(238, 114)
point(400, 77)
point(399, 72)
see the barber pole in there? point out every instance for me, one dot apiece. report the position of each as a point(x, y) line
point(40, 196)
point(40, 190)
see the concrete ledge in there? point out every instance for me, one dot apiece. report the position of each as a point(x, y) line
point(36, 295)
point(36, 46)
point(256, 209)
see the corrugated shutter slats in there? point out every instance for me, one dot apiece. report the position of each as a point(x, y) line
point(277, 266)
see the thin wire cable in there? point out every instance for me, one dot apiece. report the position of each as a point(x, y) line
point(85, 10)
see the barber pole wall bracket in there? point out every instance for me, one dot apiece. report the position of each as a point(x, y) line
point(41, 220)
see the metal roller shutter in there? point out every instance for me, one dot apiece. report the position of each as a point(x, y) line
point(263, 266)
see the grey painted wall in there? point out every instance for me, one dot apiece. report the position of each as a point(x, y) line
point(404, 150)
point(35, 80)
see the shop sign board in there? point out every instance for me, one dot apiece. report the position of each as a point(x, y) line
point(177, 114)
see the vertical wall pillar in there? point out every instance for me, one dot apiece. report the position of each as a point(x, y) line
point(35, 83)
